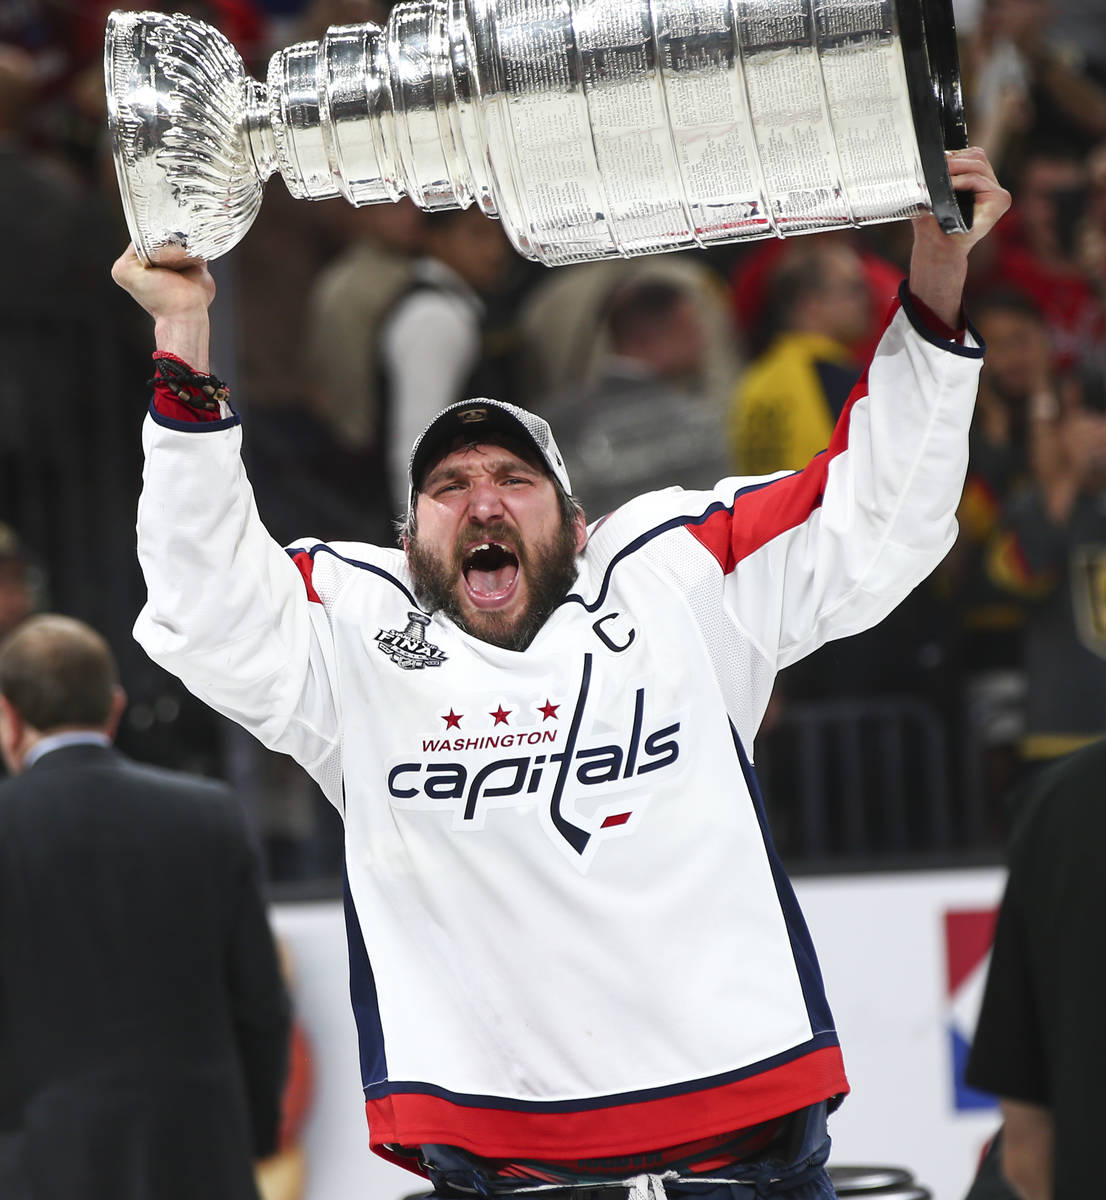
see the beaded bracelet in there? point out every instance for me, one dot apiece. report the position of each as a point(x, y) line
point(204, 392)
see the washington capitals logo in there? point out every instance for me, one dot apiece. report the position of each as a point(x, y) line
point(589, 780)
point(409, 649)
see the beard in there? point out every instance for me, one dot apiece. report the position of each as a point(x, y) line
point(550, 570)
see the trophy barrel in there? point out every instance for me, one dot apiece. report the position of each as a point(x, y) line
point(624, 127)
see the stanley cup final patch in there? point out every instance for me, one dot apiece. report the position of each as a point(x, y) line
point(408, 648)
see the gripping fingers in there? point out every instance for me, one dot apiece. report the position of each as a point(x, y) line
point(970, 170)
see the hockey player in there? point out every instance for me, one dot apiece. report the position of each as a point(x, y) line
point(576, 961)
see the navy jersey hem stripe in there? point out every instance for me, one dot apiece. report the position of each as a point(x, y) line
point(195, 426)
point(934, 339)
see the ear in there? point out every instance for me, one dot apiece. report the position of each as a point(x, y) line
point(408, 529)
point(115, 715)
point(12, 728)
point(580, 525)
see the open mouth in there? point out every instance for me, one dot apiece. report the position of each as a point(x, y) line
point(490, 572)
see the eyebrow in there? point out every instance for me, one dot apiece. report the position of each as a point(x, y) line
point(510, 464)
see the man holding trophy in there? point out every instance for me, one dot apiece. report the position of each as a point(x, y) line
point(577, 966)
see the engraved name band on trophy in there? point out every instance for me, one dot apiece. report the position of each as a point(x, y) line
point(591, 128)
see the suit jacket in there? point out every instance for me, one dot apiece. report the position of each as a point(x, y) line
point(143, 1021)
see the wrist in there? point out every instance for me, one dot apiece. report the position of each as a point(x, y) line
point(186, 336)
point(937, 278)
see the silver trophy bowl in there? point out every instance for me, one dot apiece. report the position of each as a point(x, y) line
point(590, 128)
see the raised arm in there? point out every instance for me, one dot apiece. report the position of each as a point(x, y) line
point(828, 551)
point(228, 611)
point(939, 261)
point(178, 302)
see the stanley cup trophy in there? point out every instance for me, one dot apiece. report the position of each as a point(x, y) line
point(590, 128)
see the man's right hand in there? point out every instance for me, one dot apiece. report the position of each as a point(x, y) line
point(177, 300)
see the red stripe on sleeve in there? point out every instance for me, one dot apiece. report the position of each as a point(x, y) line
point(764, 512)
point(305, 564)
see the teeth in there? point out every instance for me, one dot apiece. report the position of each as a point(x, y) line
point(488, 548)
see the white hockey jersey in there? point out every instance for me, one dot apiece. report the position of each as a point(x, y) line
point(569, 932)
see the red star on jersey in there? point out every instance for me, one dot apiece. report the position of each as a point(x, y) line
point(500, 715)
point(548, 710)
point(453, 721)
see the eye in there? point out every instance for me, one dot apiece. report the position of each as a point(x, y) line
point(515, 479)
point(446, 488)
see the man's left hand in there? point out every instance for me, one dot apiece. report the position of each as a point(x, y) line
point(939, 262)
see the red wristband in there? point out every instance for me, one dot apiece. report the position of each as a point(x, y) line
point(183, 394)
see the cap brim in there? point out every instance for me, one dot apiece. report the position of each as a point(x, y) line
point(452, 425)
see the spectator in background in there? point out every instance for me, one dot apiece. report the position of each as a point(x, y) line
point(786, 403)
point(431, 343)
point(1026, 90)
point(1048, 251)
point(1050, 551)
point(638, 426)
point(1079, 29)
point(18, 588)
point(69, 467)
point(565, 335)
point(1038, 1042)
point(1018, 387)
point(348, 300)
point(348, 303)
point(989, 1182)
point(39, 210)
point(39, 198)
point(19, 581)
point(884, 252)
point(265, 285)
point(306, 460)
point(308, 21)
point(67, 42)
point(143, 1021)
point(1091, 234)
point(283, 1174)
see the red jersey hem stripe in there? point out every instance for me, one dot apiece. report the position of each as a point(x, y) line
point(414, 1119)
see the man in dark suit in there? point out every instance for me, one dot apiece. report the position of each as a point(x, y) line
point(143, 1022)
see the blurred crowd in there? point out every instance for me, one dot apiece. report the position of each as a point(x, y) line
point(342, 330)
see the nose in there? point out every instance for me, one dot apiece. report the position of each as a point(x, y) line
point(485, 501)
